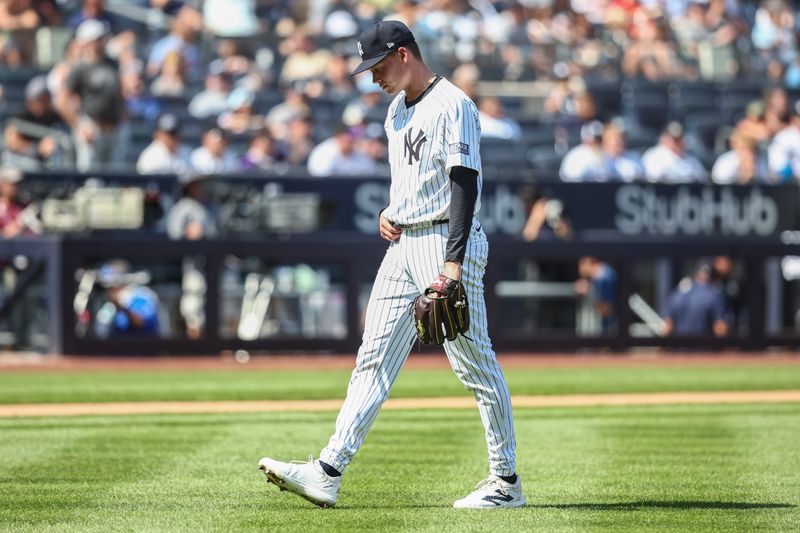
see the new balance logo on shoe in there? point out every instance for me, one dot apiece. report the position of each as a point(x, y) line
point(501, 497)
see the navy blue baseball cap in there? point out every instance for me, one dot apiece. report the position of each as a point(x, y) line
point(380, 40)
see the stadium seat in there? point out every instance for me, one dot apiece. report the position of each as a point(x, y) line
point(545, 163)
point(646, 103)
point(607, 97)
point(688, 97)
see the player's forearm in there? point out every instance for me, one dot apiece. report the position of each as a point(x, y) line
point(463, 195)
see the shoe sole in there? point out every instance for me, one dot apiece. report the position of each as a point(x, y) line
point(521, 503)
point(279, 482)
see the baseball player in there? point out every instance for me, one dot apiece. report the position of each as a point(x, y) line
point(433, 132)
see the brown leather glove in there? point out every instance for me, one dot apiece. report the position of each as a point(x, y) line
point(442, 311)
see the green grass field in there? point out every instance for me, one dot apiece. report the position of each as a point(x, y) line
point(687, 468)
point(245, 384)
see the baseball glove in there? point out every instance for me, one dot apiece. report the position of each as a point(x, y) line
point(441, 312)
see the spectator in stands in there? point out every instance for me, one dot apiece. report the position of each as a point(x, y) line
point(213, 99)
point(561, 96)
point(741, 164)
point(231, 18)
point(668, 161)
point(171, 81)
point(304, 61)
point(598, 283)
point(39, 112)
point(773, 33)
point(20, 19)
point(19, 151)
point(784, 150)
point(131, 308)
point(58, 75)
point(95, 10)
point(165, 155)
point(406, 11)
point(92, 103)
point(192, 217)
point(697, 306)
point(261, 155)
point(708, 24)
point(11, 224)
point(618, 163)
point(185, 26)
point(372, 142)
point(368, 107)
point(339, 156)
point(240, 117)
point(214, 156)
point(9, 51)
point(776, 109)
point(466, 77)
point(494, 122)
point(139, 104)
point(238, 66)
point(650, 55)
point(585, 161)
point(752, 124)
point(295, 104)
point(39, 105)
point(548, 219)
point(297, 146)
point(338, 83)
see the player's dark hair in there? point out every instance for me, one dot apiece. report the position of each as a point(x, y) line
point(413, 47)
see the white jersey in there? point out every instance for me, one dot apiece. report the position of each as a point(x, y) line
point(439, 131)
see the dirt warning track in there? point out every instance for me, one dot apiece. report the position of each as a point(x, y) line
point(460, 402)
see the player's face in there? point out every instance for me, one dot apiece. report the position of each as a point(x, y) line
point(389, 73)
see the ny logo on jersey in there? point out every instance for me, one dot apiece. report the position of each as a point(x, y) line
point(412, 147)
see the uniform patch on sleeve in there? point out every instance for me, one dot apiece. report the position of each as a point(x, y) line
point(459, 148)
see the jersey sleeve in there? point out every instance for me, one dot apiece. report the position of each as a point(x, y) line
point(462, 136)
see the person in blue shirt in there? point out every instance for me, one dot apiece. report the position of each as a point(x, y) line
point(598, 281)
point(131, 308)
point(697, 306)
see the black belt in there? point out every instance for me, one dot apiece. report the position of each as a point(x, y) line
point(420, 225)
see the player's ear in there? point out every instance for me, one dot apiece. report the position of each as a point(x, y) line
point(404, 54)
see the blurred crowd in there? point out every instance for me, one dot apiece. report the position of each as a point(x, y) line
point(657, 90)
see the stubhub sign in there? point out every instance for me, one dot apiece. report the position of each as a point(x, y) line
point(707, 211)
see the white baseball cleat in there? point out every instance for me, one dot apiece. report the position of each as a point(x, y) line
point(493, 493)
point(307, 480)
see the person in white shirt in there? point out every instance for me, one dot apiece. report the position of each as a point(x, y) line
point(585, 161)
point(494, 123)
point(165, 155)
point(784, 150)
point(339, 156)
point(601, 156)
point(741, 164)
point(213, 157)
point(668, 161)
point(213, 99)
point(618, 163)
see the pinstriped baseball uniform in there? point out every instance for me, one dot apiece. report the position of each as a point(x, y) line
point(427, 138)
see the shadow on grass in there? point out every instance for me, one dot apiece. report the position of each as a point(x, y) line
point(650, 504)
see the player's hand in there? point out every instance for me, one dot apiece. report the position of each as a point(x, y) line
point(452, 270)
point(388, 232)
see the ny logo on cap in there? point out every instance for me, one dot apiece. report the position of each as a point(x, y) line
point(390, 44)
point(360, 50)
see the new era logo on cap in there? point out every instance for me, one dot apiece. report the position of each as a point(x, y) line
point(379, 40)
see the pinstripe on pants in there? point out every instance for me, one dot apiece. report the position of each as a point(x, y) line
point(409, 266)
